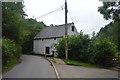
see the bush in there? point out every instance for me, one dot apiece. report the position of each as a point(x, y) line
point(61, 48)
point(10, 52)
point(77, 47)
point(104, 51)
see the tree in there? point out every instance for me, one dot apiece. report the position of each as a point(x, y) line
point(111, 31)
point(13, 21)
point(18, 31)
point(110, 10)
point(10, 53)
point(77, 47)
point(103, 52)
point(17, 28)
point(12, 33)
point(33, 28)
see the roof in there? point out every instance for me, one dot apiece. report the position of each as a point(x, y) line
point(53, 31)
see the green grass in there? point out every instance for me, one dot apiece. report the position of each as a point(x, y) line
point(9, 65)
point(52, 59)
point(79, 63)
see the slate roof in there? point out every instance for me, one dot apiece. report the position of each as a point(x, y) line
point(53, 31)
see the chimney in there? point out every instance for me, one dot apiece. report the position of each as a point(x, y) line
point(51, 25)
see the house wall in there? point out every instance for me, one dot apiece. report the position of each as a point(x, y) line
point(39, 45)
point(70, 32)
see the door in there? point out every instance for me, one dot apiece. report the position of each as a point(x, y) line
point(47, 51)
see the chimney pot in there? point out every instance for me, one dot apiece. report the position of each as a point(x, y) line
point(51, 25)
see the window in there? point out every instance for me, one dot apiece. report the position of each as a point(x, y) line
point(54, 38)
point(73, 28)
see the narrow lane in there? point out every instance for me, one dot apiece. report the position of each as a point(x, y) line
point(31, 67)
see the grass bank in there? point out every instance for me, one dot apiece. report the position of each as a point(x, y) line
point(10, 65)
point(79, 63)
point(51, 59)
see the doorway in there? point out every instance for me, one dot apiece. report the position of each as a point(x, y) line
point(47, 50)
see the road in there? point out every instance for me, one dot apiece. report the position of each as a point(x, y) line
point(31, 67)
point(67, 71)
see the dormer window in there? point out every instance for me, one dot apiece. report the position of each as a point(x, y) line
point(73, 28)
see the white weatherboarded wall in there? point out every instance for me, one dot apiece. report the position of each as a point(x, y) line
point(40, 46)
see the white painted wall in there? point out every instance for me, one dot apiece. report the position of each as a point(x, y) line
point(39, 45)
point(70, 32)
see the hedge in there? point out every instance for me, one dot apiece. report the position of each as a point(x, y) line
point(10, 53)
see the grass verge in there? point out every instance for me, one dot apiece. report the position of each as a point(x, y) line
point(9, 65)
point(79, 63)
point(51, 59)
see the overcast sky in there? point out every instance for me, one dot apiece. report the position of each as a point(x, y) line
point(83, 12)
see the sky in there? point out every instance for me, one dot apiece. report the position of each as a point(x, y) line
point(84, 13)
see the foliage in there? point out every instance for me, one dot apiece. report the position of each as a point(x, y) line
point(18, 32)
point(80, 63)
point(13, 21)
point(111, 31)
point(60, 46)
point(10, 52)
point(33, 28)
point(103, 52)
point(52, 59)
point(97, 50)
point(77, 47)
point(110, 10)
point(17, 28)
point(101, 48)
point(12, 24)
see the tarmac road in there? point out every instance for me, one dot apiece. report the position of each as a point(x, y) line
point(67, 71)
point(31, 67)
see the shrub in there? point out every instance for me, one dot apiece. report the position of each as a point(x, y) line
point(104, 51)
point(10, 52)
point(77, 47)
point(60, 46)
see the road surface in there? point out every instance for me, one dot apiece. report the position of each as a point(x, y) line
point(31, 67)
point(67, 71)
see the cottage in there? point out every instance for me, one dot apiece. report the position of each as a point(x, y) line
point(43, 41)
